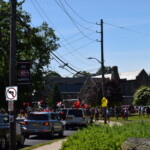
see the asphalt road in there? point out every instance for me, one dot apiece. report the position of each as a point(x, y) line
point(33, 140)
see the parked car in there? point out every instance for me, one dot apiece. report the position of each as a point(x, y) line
point(62, 113)
point(5, 134)
point(89, 113)
point(42, 123)
point(77, 117)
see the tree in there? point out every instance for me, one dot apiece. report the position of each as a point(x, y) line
point(93, 93)
point(55, 97)
point(33, 43)
point(82, 74)
point(107, 70)
point(142, 96)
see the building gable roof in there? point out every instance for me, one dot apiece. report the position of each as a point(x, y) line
point(130, 75)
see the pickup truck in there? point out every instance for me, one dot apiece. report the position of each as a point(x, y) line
point(5, 135)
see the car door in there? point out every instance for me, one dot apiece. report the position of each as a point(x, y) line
point(57, 125)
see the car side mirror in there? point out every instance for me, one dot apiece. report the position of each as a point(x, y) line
point(6, 119)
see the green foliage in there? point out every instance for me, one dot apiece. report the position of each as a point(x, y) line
point(142, 96)
point(55, 97)
point(82, 74)
point(104, 137)
point(32, 43)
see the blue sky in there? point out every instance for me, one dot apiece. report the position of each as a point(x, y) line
point(126, 32)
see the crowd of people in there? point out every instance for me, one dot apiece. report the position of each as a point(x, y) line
point(118, 111)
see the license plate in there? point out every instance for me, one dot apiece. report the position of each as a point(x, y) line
point(34, 124)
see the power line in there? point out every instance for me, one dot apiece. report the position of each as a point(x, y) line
point(117, 26)
point(65, 64)
point(57, 31)
point(79, 48)
point(72, 20)
point(78, 14)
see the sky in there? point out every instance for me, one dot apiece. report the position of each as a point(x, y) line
point(126, 32)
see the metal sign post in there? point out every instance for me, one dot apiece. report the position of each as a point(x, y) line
point(12, 72)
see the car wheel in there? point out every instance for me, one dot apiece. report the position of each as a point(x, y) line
point(22, 140)
point(67, 128)
point(61, 133)
point(26, 136)
point(3, 143)
point(52, 134)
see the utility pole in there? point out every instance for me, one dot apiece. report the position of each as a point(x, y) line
point(102, 67)
point(12, 72)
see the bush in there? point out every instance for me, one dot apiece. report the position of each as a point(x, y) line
point(104, 137)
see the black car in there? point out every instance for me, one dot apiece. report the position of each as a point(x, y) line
point(4, 133)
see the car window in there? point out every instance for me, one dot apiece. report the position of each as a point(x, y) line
point(37, 117)
point(76, 113)
point(53, 116)
point(88, 112)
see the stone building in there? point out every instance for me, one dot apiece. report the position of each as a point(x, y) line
point(131, 81)
point(75, 88)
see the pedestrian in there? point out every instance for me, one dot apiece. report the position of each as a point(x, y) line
point(116, 111)
point(108, 114)
point(126, 114)
point(96, 113)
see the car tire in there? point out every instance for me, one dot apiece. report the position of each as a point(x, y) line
point(26, 136)
point(52, 134)
point(67, 127)
point(4, 144)
point(61, 133)
point(21, 141)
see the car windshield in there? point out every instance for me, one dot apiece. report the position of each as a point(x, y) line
point(37, 117)
point(76, 113)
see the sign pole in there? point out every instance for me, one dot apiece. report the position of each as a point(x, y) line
point(12, 71)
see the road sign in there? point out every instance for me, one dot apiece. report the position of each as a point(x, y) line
point(11, 93)
point(23, 72)
point(10, 105)
point(104, 102)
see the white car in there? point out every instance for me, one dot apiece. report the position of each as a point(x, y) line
point(77, 117)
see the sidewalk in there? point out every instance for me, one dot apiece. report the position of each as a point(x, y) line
point(54, 146)
point(57, 145)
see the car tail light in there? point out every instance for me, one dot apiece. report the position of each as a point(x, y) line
point(62, 113)
point(25, 123)
point(46, 123)
point(67, 117)
point(83, 117)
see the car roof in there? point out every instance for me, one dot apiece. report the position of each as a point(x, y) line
point(41, 112)
point(4, 115)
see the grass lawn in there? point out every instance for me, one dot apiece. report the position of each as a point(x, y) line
point(132, 117)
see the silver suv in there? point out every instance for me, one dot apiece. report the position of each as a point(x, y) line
point(77, 117)
point(42, 123)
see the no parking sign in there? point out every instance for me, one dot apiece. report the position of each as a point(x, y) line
point(11, 93)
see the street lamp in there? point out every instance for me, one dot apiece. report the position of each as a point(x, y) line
point(94, 58)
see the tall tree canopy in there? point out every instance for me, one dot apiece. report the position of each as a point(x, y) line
point(142, 96)
point(32, 43)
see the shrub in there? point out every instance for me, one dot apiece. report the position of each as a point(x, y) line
point(104, 137)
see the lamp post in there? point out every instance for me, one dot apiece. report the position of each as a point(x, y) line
point(103, 80)
point(102, 68)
